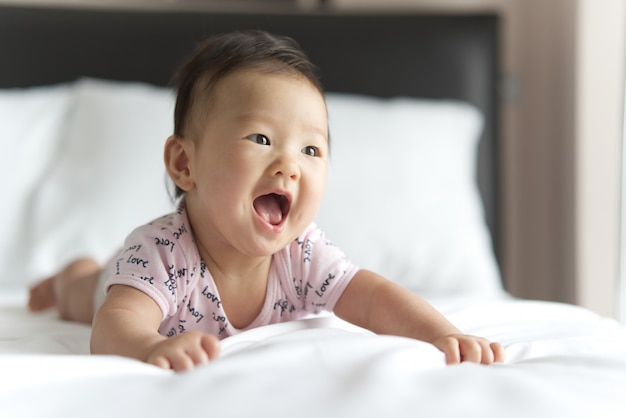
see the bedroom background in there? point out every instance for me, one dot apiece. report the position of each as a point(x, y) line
point(561, 130)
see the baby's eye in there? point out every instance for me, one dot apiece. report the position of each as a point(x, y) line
point(311, 151)
point(259, 139)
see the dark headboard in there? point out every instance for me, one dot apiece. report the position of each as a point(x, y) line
point(421, 55)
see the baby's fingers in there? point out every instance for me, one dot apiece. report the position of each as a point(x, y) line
point(159, 361)
point(480, 350)
point(210, 345)
point(204, 348)
point(475, 351)
point(462, 348)
point(498, 352)
point(185, 351)
point(450, 347)
point(172, 359)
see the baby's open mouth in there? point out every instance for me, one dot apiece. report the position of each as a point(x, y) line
point(272, 207)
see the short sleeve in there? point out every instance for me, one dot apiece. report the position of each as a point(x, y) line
point(152, 260)
point(321, 271)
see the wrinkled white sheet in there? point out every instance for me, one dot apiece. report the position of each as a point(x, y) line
point(562, 361)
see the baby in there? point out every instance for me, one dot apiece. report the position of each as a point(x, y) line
point(248, 158)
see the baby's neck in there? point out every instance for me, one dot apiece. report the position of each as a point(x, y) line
point(242, 291)
point(241, 271)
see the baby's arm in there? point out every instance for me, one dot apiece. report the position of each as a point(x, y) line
point(375, 303)
point(127, 325)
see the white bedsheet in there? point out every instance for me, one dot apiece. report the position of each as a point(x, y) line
point(562, 361)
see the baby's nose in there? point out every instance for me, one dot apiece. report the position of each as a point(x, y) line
point(286, 166)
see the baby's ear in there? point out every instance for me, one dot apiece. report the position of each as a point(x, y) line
point(176, 155)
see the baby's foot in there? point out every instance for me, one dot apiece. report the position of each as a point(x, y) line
point(53, 291)
point(42, 295)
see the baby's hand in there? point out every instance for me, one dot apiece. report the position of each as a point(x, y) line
point(461, 347)
point(184, 351)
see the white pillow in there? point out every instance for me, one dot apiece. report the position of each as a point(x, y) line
point(32, 121)
point(401, 197)
point(110, 177)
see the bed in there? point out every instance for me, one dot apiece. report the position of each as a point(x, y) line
point(412, 193)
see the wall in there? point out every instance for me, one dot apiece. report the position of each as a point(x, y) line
point(563, 145)
point(599, 120)
point(538, 150)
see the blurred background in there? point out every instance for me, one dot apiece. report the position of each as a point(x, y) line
point(562, 108)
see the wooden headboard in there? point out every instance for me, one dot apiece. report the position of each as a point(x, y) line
point(439, 56)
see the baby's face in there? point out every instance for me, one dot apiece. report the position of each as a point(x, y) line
point(260, 165)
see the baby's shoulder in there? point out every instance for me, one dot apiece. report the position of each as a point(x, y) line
point(311, 244)
point(174, 225)
point(313, 234)
point(167, 235)
point(164, 243)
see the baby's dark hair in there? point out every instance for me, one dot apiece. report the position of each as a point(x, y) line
point(223, 54)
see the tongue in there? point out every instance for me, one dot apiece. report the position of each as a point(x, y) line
point(268, 208)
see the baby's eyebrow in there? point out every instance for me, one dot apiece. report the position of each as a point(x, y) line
point(324, 133)
point(257, 117)
point(247, 116)
point(264, 117)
